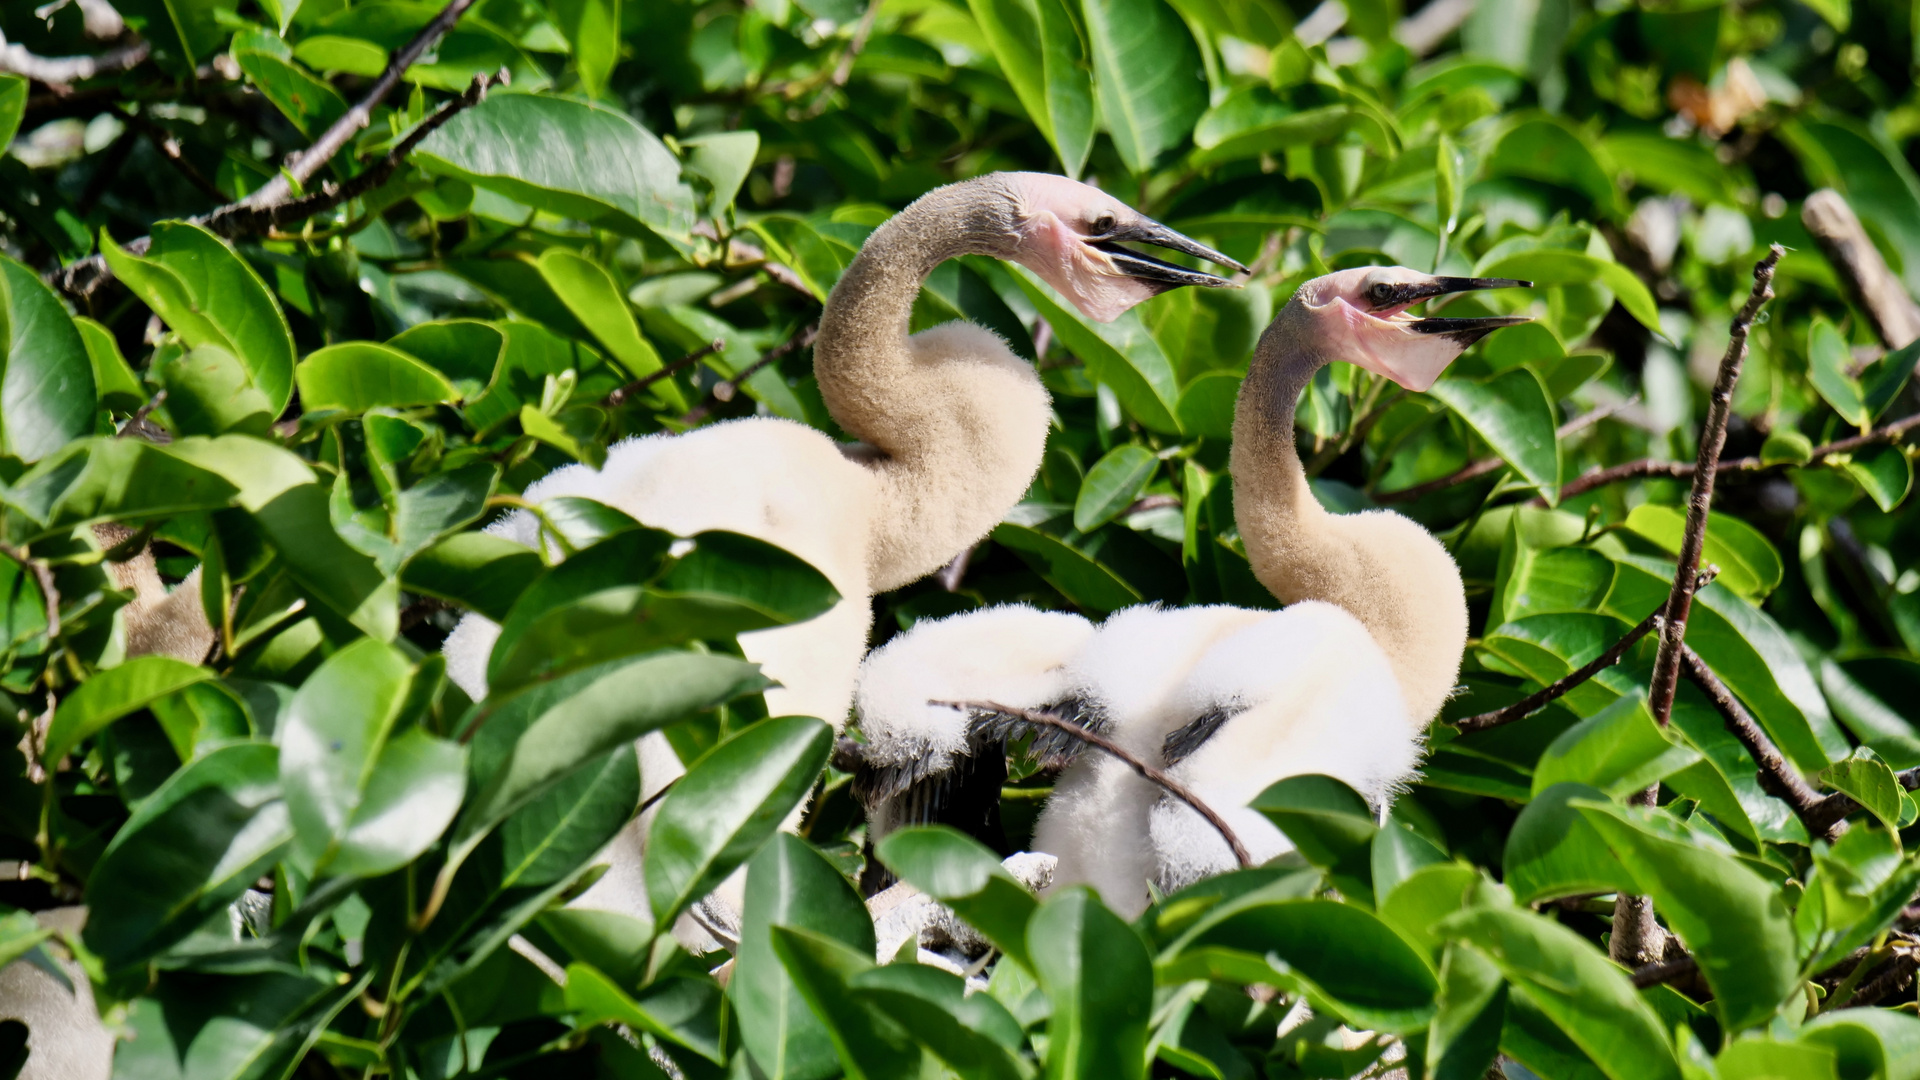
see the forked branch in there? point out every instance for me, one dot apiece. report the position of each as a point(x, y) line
point(1173, 787)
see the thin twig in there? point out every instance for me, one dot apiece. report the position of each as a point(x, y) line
point(59, 71)
point(844, 69)
point(619, 397)
point(1895, 978)
point(724, 391)
point(1173, 787)
point(1488, 464)
point(1537, 700)
point(1673, 629)
point(1777, 777)
point(274, 203)
point(1664, 971)
point(1834, 226)
point(42, 574)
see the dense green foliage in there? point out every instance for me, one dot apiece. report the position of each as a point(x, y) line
point(308, 853)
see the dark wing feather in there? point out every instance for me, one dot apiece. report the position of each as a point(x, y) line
point(1051, 746)
point(1191, 735)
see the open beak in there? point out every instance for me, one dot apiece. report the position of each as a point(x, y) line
point(1158, 273)
point(1466, 331)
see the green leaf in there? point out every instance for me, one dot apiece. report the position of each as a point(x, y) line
point(1732, 920)
point(1416, 905)
point(1112, 484)
point(724, 158)
point(308, 103)
point(479, 572)
point(1879, 184)
point(870, 1046)
point(727, 805)
point(590, 293)
point(1748, 563)
point(301, 527)
point(1828, 361)
point(613, 943)
point(1884, 473)
point(1122, 354)
point(1329, 823)
point(47, 392)
point(1254, 120)
point(1870, 782)
point(1472, 1008)
point(1547, 267)
point(681, 1010)
point(112, 694)
point(1546, 149)
point(1552, 850)
point(1878, 1043)
point(119, 387)
point(364, 799)
point(1096, 972)
point(972, 1034)
point(198, 842)
point(790, 884)
point(1347, 958)
point(359, 375)
point(1148, 72)
point(1012, 30)
point(1083, 581)
point(1067, 86)
point(243, 1027)
point(1207, 404)
point(1584, 994)
point(203, 713)
point(210, 393)
point(1511, 412)
point(615, 173)
point(965, 875)
point(182, 31)
point(1397, 854)
point(1619, 750)
point(13, 106)
point(206, 293)
point(471, 354)
point(592, 27)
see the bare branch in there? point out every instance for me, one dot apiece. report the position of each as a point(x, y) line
point(1539, 699)
point(1777, 777)
point(619, 397)
point(1894, 979)
point(1664, 971)
point(724, 391)
point(1673, 629)
point(42, 574)
point(1488, 464)
point(59, 71)
point(1835, 227)
point(1173, 787)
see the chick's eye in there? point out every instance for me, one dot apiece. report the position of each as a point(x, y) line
point(1102, 224)
point(1381, 292)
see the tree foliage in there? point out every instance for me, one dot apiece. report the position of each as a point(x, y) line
point(574, 221)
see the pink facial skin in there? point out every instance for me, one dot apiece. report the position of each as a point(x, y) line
point(1058, 216)
point(1383, 341)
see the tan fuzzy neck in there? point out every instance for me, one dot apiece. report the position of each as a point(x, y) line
point(953, 424)
point(1388, 572)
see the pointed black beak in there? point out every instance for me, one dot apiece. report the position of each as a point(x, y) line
point(1466, 331)
point(1158, 272)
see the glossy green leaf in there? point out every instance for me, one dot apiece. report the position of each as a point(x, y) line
point(1112, 484)
point(1870, 782)
point(1828, 362)
point(365, 799)
point(1148, 73)
point(1471, 1010)
point(1121, 354)
point(1877, 1043)
point(1081, 579)
point(13, 106)
point(1618, 750)
point(183, 32)
point(1748, 563)
point(724, 158)
point(789, 884)
point(1429, 894)
point(590, 293)
point(1207, 404)
point(1012, 31)
point(728, 805)
point(870, 1046)
point(1573, 984)
point(592, 27)
point(1254, 120)
point(360, 375)
point(479, 572)
point(964, 874)
point(301, 528)
point(118, 386)
point(972, 1034)
point(1397, 854)
point(1733, 921)
point(1549, 267)
point(1329, 823)
point(114, 693)
point(1096, 972)
point(1546, 149)
point(1878, 183)
point(1511, 412)
point(615, 172)
point(309, 104)
point(208, 295)
point(1884, 473)
point(209, 392)
point(1067, 85)
point(680, 1010)
point(194, 845)
point(47, 392)
point(251, 1026)
point(1552, 851)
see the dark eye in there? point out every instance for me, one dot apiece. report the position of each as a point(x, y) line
point(1381, 292)
point(1102, 224)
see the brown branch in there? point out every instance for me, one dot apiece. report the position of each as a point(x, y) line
point(42, 574)
point(1777, 777)
point(1894, 979)
point(844, 70)
point(1673, 629)
point(1638, 937)
point(619, 397)
point(1488, 464)
point(724, 391)
point(274, 203)
point(59, 71)
point(1173, 787)
point(1835, 806)
point(1664, 971)
point(1149, 502)
point(1863, 273)
point(1540, 698)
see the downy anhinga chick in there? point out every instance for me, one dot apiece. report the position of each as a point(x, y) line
point(952, 425)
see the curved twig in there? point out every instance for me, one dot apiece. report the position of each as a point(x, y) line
point(619, 397)
point(724, 391)
point(1173, 787)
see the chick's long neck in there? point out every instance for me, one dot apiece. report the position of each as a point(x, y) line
point(953, 424)
point(1386, 571)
